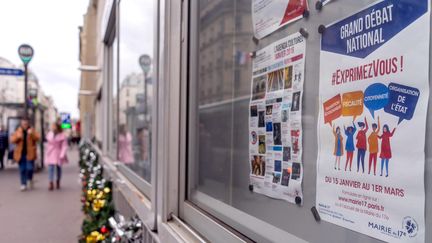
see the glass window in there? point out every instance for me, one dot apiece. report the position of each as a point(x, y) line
point(136, 41)
point(218, 158)
point(222, 105)
point(219, 167)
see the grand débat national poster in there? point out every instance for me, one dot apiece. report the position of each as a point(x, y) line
point(275, 144)
point(374, 91)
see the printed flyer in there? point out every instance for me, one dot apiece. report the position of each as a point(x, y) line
point(270, 15)
point(374, 91)
point(275, 144)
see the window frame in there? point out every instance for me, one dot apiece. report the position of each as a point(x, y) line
point(140, 183)
point(111, 38)
point(146, 211)
point(230, 224)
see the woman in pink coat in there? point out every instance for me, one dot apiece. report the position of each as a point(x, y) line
point(55, 155)
point(125, 153)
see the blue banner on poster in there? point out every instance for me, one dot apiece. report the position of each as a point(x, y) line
point(361, 34)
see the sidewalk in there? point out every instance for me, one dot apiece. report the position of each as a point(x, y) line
point(41, 216)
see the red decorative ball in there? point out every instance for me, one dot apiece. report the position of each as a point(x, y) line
point(104, 230)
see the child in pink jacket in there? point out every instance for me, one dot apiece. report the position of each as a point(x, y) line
point(55, 155)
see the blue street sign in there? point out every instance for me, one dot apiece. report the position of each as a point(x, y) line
point(65, 120)
point(11, 71)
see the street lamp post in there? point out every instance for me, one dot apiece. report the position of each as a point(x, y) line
point(32, 95)
point(145, 62)
point(25, 52)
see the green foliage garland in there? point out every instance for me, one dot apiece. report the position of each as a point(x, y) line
point(96, 198)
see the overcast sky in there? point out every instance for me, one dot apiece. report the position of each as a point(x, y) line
point(136, 34)
point(51, 27)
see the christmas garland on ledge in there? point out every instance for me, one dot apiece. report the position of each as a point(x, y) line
point(97, 203)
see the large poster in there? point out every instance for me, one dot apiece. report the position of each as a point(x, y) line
point(275, 144)
point(270, 15)
point(374, 91)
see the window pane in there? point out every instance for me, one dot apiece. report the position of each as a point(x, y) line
point(220, 168)
point(223, 88)
point(221, 75)
point(136, 40)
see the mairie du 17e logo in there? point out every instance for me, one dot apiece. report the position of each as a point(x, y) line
point(411, 226)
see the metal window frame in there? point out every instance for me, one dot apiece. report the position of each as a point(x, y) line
point(144, 186)
point(214, 219)
point(139, 202)
point(110, 35)
point(135, 188)
point(155, 114)
point(135, 179)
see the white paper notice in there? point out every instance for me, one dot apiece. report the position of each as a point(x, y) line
point(275, 144)
point(374, 91)
point(270, 15)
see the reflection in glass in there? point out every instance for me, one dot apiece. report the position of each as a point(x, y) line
point(125, 145)
point(224, 86)
point(136, 39)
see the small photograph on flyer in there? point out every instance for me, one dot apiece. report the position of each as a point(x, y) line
point(258, 165)
point(275, 80)
point(261, 144)
point(254, 110)
point(286, 154)
point(261, 119)
point(277, 135)
point(295, 101)
point(259, 87)
point(288, 77)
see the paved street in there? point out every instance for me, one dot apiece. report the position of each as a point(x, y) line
point(40, 216)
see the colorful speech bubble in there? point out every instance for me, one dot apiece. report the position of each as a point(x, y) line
point(402, 101)
point(376, 97)
point(352, 104)
point(332, 109)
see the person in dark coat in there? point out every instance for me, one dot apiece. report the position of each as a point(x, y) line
point(4, 142)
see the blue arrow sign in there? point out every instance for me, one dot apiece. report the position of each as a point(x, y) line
point(362, 33)
point(11, 71)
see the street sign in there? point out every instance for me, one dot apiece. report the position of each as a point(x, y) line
point(65, 120)
point(25, 52)
point(11, 71)
point(145, 62)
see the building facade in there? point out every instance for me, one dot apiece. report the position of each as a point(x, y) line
point(176, 146)
point(42, 109)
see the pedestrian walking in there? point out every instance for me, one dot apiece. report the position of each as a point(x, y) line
point(125, 152)
point(25, 138)
point(55, 156)
point(4, 143)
